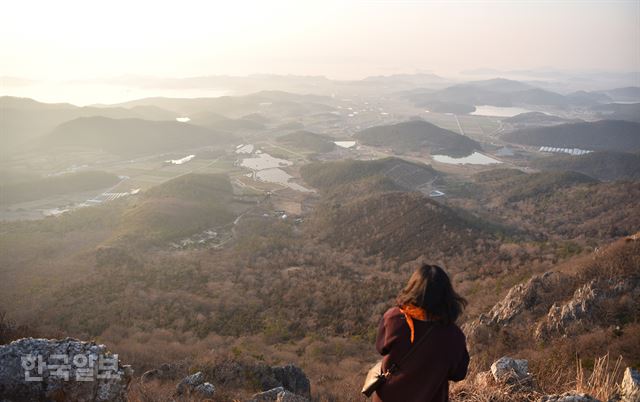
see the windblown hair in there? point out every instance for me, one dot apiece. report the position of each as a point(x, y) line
point(430, 288)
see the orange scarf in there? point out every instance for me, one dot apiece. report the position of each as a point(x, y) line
point(412, 312)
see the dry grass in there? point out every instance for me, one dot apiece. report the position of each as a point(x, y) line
point(603, 381)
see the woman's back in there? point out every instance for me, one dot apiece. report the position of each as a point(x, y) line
point(425, 374)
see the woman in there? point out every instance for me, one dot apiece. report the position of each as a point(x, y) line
point(429, 306)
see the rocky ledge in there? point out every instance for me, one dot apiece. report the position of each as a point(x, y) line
point(61, 370)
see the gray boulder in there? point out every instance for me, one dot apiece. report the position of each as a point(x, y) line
point(205, 390)
point(61, 370)
point(278, 394)
point(511, 371)
point(568, 397)
point(189, 383)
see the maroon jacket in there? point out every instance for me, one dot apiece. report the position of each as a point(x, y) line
point(425, 376)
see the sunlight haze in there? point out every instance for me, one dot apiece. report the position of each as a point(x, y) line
point(67, 40)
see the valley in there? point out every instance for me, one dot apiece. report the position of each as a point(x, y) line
point(274, 227)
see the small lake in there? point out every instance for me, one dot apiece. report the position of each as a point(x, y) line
point(345, 144)
point(475, 158)
point(499, 111)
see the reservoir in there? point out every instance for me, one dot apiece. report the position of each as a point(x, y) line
point(475, 158)
point(498, 111)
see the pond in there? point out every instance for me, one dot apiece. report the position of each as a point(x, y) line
point(475, 158)
point(345, 144)
point(499, 111)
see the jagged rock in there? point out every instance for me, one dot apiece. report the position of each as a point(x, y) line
point(577, 313)
point(235, 374)
point(568, 397)
point(293, 379)
point(94, 374)
point(630, 387)
point(511, 371)
point(522, 297)
point(560, 317)
point(535, 293)
point(189, 383)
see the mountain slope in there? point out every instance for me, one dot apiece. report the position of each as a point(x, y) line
point(25, 120)
point(500, 92)
point(269, 103)
point(399, 225)
point(554, 205)
point(586, 306)
point(603, 165)
point(132, 136)
point(600, 135)
point(177, 208)
point(404, 174)
point(34, 189)
point(536, 119)
point(418, 135)
point(308, 140)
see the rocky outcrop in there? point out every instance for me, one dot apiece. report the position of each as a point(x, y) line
point(230, 374)
point(523, 297)
point(61, 370)
point(561, 316)
point(195, 385)
point(568, 397)
point(293, 379)
point(576, 314)
point(535, 294)
point(507, 370)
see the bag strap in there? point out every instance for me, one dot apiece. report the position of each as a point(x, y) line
point(396, 366)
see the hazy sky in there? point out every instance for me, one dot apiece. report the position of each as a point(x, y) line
point(67, 39)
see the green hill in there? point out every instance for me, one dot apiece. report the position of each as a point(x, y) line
point(132, 136)
point(613, 135)
point(537, 119)
point(501, 92)
point(513, 185)
point(24, 121)
point(35, 189)
point(402, 173)
point(418, 136)
point(396, 224)
point(604, 165)
point(619, 111)
point(267, 103)
point(308, 140)
point(177, 208)
point(565, 205)
point(218, 122)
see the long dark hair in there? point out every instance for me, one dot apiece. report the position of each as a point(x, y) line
point(430, 288)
